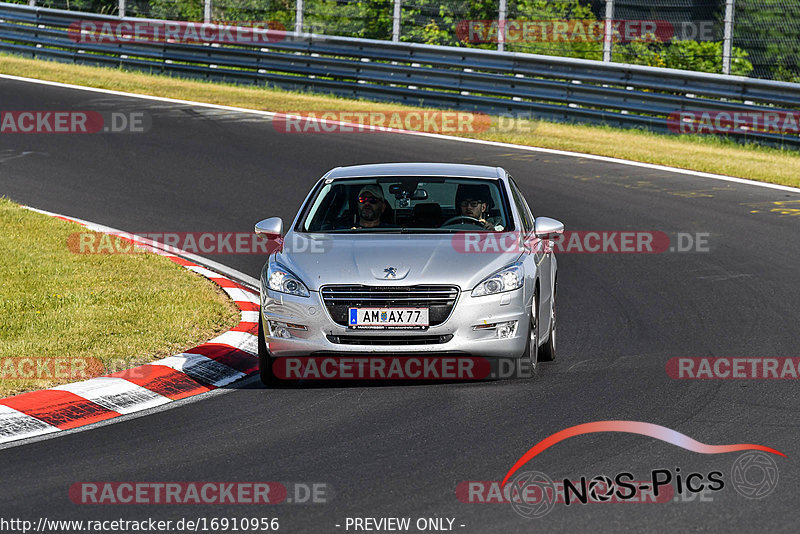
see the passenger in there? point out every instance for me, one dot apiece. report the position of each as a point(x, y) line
point(473, 201)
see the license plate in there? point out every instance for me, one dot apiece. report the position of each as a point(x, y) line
point(388, 317)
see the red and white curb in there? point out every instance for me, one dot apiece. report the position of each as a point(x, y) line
point(216, 363)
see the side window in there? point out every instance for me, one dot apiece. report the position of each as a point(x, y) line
point(527, 208)
point(522, 207)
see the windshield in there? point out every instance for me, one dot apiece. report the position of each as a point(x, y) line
point(408, 205)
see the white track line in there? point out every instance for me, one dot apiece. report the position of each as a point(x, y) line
point(115, 394)
point(271, 114)
point(240, 340)
point(240, 295)
point(249, 316)
point(202, 368)
point(16, 425)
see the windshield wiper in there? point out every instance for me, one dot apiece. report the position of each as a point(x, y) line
point(400, 230)
point(364, 231)
point(427, 231)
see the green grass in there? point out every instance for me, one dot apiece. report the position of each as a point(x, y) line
point(701, 153)
point(120, 309)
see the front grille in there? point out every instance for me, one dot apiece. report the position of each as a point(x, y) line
point(438, 299)
point(390, 340)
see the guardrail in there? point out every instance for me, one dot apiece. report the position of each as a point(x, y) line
point(546, 87)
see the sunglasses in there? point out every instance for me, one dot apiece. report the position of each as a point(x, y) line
point(471, 203)
point(364, 199)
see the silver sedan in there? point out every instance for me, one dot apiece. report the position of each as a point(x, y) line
point(403, 259)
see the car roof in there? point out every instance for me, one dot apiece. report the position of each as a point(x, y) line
point(417, 169)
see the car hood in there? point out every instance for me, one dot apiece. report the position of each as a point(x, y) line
point(321, 259)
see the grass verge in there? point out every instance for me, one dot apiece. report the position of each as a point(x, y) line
point(707, 154)
point(68, 316)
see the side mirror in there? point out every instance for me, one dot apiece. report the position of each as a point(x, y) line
point(545, 227)
point(270, 228)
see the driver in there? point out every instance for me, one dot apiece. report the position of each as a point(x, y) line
point(473, 201)
point(371, 206)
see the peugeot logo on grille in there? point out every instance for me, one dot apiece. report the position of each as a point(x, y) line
point(391, 272)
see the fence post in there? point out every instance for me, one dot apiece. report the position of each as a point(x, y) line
point(501, 25)
point(396, 21)
point(32, 3)
point(298, 18)
point(608, 35)
point(727, 39)
point(206, 11)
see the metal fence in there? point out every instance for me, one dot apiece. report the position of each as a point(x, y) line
point(524, 85)
point(757, 38)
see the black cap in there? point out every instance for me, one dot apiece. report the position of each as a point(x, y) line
point(473, 192)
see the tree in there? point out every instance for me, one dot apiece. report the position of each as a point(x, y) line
point(702, 56)
point(368, 19)
point(769, 30)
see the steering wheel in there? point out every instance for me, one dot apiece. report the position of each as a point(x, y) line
point(467, 218)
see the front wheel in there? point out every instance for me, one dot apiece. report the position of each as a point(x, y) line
point(264, 357)
point(533, 338)
point(547, 352)
point(265, 361)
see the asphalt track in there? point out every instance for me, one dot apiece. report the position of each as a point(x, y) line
point(399, 450)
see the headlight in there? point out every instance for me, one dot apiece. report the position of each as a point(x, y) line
point(282, 280)
point(508, 279)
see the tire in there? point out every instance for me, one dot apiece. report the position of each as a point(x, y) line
point(533, 338)
point(547, 352)
point(264, 357)
point(265, 361)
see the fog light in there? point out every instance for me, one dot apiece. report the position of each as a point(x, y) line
point(279, 330)
point(506, 330)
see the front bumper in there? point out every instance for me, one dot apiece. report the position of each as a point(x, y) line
point(310, 326)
